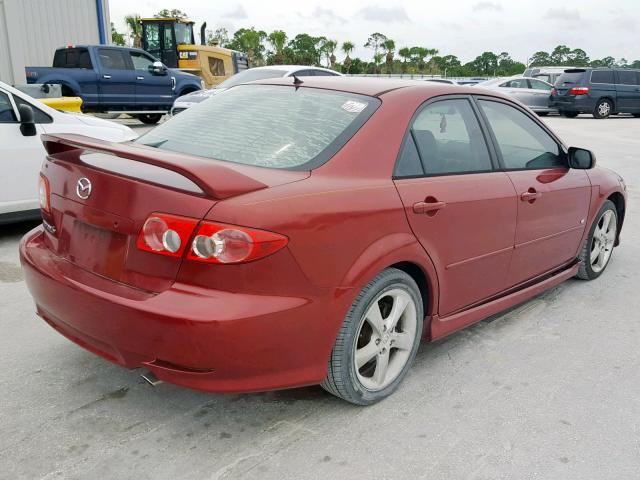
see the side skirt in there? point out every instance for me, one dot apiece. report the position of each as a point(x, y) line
point(440, 327)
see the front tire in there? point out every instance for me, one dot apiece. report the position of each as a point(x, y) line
point(598, 247)
point(150, 118)
point(378, 340)
point(604, 109)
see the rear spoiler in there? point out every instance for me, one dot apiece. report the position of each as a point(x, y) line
point(215, 180)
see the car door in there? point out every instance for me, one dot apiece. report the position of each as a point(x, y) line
point(540, 94)
point(628, 91)
point(20, 160)
point(460, 209)
point(117, 79)
point(553, 200)
point(519, 89)
point(152, 91)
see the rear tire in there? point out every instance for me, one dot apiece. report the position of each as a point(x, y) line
point(569, 114)
point(604, 109)
point(149, 118)
point(378, 340)
point(598, 247)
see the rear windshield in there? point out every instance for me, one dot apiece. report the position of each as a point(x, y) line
point(570, 77)
point(251, 75)
point(266, 125)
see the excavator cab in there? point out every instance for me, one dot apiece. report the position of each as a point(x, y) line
point(172, 41)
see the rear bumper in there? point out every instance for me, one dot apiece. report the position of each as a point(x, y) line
point(579, 103)
point(203, 339)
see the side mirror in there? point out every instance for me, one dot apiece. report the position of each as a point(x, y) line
point(581, 158)
point(157, 68)
point(27, 121)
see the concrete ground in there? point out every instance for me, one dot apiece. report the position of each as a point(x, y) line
point(550, 390)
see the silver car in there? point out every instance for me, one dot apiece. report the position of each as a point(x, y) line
point(533, 92)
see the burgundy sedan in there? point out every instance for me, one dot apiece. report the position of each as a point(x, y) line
point(291, 233)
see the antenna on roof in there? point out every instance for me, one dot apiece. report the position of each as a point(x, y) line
point(296, 81)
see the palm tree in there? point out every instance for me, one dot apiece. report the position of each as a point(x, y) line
point(405, 53)
point(377, 59)
point(135, 27)
point(329, 48)
point(389, 48)
point(347, 48)
point(431, 52)
point(278, 39)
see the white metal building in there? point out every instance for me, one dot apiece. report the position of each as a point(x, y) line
point(31, 30)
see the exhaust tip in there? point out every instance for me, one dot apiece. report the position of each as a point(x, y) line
point(151, 379)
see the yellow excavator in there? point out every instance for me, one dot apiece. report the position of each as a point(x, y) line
point(172, 41)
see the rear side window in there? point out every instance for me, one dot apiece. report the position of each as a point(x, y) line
point(628, 77)
point(602, 76)
point(522, 142)
point(7, 115)
point(266, 125)
point(112, 59)
point(516, 83)
point(72, 58)
point(448, 138)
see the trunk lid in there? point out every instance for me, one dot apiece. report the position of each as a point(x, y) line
point(97, 227)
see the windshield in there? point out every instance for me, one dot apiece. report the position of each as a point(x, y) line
point(266, 125)
point(251, 75)
point(570, 77)
point(184, 34)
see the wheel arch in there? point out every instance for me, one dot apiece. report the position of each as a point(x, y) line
point(187, 90)
point(618, 200)
point(610, 98)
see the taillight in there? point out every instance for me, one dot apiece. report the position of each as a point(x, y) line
point(44, 194)
point(579, 91)
point(166, 234)
point(220, 243)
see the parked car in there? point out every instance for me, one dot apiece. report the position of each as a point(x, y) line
point(534, 93)
point(315, 235)
point(447, 81)
point(22, 120)
point(599, 91)
point(547, 74)
point(471, 81)
point(116, 79)
point(257, 73)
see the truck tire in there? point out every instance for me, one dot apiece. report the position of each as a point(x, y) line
point(149, 118)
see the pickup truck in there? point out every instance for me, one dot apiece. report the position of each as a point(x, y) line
point(116, 79)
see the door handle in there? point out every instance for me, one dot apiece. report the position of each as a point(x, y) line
point(429, 207)
point(530, 195)
point(106, 76)
point(139, 78)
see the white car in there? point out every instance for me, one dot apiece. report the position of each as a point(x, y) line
point(257, 73)
point(22, 153)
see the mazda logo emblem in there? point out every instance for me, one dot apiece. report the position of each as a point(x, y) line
point(83, 188)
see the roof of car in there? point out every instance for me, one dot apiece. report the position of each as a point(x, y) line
point(289, 68)
point(367, 86)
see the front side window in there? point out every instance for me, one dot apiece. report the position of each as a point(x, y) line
point(7, 115)
point(266, 125)
point(112, 59)
point(141, 61)
point(602, 76)
point(522, 142)
point(516, 83)
point(448, 139)
point(538, 85)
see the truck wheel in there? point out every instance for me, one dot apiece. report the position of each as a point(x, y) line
point(569, 114)
point(603, 109)
point(150, 118)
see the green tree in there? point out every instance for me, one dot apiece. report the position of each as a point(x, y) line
point(486, 64)
point(328, 48)
point(377, 60)
point(405, 53)
point(278, 40)
point(560, 55)
point(374, 42)
point(635, 64)
point(220, 36)
point(540, 59)
point(135, 28)
point(577, 58)
point(117, 38)
point(172, 13)
point(304, 49)
point(389, 49)
point(347, 48)
point(251, 42)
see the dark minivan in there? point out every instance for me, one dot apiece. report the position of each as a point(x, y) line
point(599, 91)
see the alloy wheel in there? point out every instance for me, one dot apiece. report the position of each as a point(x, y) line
point(385, 339)
point(604, 109)
point(602, 241)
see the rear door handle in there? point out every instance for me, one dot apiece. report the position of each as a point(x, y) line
point(108, 77)
point(428, 207)
point(530, 196)
point(139, 78)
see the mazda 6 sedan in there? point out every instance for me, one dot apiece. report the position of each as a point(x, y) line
point(315, 236)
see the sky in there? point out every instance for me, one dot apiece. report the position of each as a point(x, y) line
point(464, 28)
